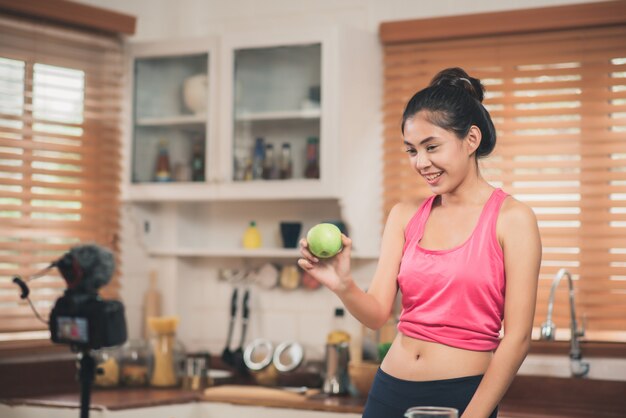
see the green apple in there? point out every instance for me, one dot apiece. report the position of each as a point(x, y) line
point(324, 240)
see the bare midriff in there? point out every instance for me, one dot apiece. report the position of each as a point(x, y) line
point(418, 360)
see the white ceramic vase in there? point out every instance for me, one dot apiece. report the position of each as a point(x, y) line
point(195, 90)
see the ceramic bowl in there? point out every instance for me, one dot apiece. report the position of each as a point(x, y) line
point(362, 375)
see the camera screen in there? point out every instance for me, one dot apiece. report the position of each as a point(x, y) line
point(71, 328)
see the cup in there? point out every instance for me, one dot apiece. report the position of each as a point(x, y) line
point(431, 411)
point(197, 367)
point(290, 232)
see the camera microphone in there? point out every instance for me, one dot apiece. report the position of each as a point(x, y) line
point(86, 268)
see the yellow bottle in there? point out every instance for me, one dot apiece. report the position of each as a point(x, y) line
point(338, 335)
point(252, 236)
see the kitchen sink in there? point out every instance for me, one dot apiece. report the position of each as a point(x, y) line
point(559, 366)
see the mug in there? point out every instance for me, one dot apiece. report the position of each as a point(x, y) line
point(290, 232)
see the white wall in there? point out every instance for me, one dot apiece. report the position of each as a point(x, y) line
point(160, 19)
point(197, 295)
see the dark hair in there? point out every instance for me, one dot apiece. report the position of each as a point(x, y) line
point(453, 101)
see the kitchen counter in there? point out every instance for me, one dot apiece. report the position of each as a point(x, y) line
point(119, 399)
point(112, 399)
point(536, 397)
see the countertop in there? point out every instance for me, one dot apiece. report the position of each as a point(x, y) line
point(517, 404)
point(118, 399)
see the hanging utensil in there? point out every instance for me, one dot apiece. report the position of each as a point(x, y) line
point(227, 355)
point(238, 362)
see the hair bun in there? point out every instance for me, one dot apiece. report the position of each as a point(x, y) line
point(457, 77)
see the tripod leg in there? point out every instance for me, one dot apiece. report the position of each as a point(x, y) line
point(86, 375)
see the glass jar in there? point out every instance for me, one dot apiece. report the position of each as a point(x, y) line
point(168, 360)
point(136, 360)
point(108, 361)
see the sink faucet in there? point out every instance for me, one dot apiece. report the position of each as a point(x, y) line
point(578, 367)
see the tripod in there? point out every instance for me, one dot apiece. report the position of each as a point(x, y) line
point(86, 375)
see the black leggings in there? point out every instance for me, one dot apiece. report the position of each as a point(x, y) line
point(390, 397)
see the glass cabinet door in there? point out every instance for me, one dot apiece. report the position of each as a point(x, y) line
point(277, 113)
point(170, 104)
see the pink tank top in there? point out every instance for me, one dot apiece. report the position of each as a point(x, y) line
point(455, 296)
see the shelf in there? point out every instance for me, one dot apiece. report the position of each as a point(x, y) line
point(283, 253)
point(168, 192)
point(279, 115)
point(182, 120)
point(228, 253)
point(253, 190)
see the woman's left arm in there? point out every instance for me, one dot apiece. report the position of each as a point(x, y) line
point(519, 236)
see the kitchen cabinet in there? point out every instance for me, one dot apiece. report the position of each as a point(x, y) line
point(285, 87)
point(279, 94)
point(171, 144)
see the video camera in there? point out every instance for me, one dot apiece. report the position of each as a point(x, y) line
point(81, 317)
point(87, 321)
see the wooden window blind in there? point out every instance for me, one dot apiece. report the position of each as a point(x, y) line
point(60, 109)
point(558, 100)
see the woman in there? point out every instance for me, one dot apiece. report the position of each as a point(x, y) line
point(448, 256)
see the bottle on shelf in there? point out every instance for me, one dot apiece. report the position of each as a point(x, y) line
point(252, 236)
point(240, 164)
point(162, 170)
point(258, 158)
point(312, 170)
point(286, 164)
point(275, 173)
point(270, 168)
point(197, 161)
point(247, 171)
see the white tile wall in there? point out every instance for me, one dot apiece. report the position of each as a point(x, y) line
point(277, 315)
point(191, 289)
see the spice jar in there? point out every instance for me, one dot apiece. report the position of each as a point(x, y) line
point(136, 360)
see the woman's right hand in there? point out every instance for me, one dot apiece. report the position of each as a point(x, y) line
point(334, 272)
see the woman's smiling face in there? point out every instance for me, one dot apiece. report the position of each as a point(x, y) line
point(438, 155)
